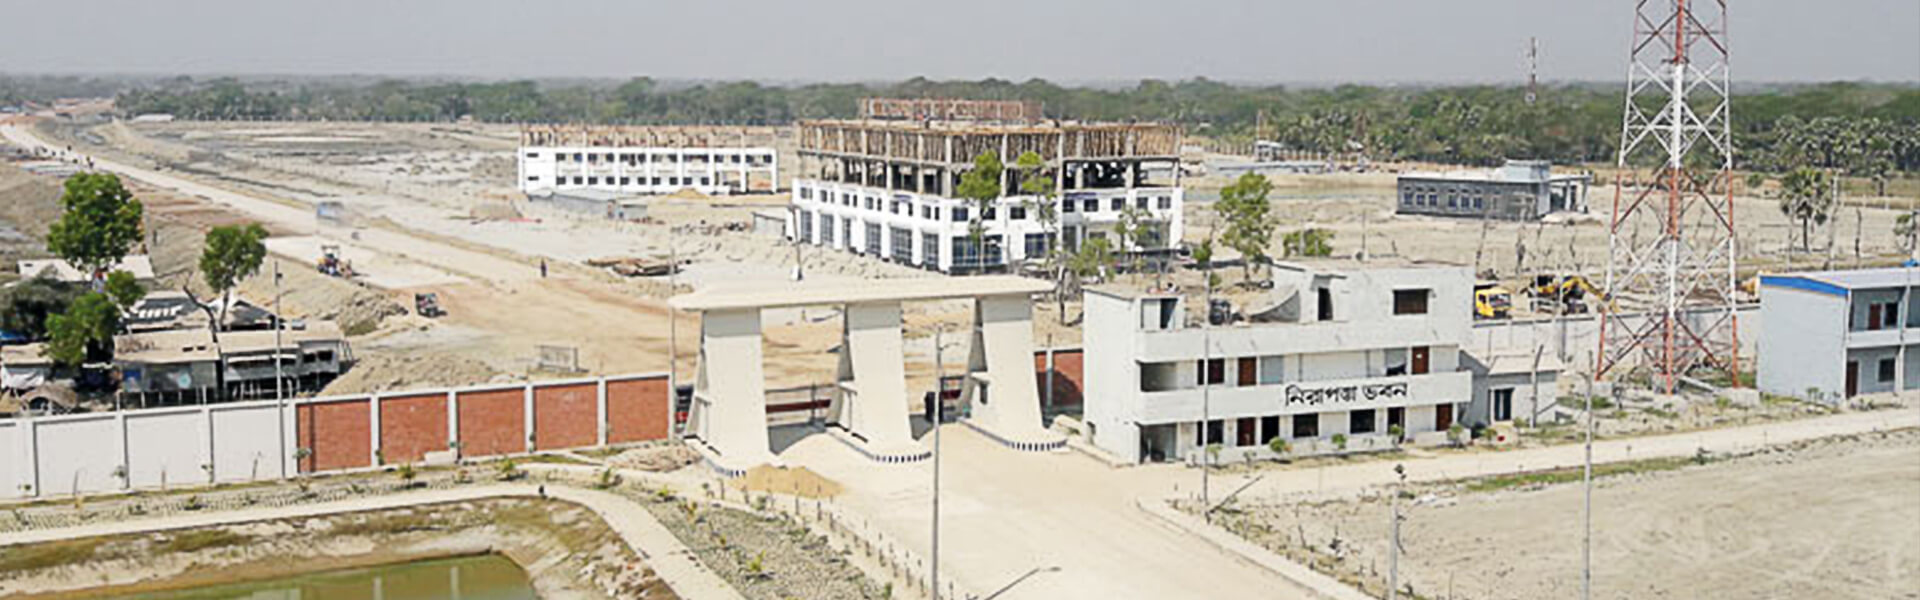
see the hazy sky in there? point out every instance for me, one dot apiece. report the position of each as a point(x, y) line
point(1062, 40)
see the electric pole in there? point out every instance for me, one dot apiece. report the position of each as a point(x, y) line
point(1586, 482)
point(1393, 549)
point(939, 402)
point(1206, 397)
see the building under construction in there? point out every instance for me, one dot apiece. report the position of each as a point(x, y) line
point(884, 184)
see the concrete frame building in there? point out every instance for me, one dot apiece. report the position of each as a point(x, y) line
point(1839, 333)
point(641, 161)
point(1350, 352)
point(728, 418)
point(1520, 190)
point(886, 188)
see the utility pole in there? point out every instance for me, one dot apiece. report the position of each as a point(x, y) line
point(1393, 550)
point(279, 323)
point(1206, 396)
point(1586, 482)
point(939, 405)
point(673, 328)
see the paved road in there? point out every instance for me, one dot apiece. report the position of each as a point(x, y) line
point(286, 217)
point(1005, 514)
point(657, 546)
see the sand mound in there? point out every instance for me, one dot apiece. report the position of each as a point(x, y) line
point(798, 481)
point(384, 372)
point(659, 459)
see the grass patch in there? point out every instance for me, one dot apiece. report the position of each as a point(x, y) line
point(1577, 403)
point(193, 541)
point(1573, 474)
point(16, 559)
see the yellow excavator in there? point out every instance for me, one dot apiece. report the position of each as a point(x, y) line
point(1552, 293)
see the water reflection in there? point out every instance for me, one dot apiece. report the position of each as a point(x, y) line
point(488, 577)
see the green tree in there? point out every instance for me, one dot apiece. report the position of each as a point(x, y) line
point(1132, 230)
point(1043, 208)
point(233, 253)
point(1906, 229)
point(981, 186)
point(1091, 260)
point(1244, 208)
point(85, 330)
point(1311, 241)
point(101, 223)
point(29, 303)
point(124, 290)
point(1804, 198)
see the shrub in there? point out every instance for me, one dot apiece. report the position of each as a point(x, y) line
point(1340, 441)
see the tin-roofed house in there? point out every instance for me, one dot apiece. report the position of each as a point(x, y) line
point(178, 366)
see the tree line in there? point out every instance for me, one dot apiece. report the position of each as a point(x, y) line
point(1860, 129)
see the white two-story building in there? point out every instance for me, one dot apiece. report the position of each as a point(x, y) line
point(1344, 352)
point(1839, 334)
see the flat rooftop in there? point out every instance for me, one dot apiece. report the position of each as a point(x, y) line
point(813, 293)
point(1854, 279)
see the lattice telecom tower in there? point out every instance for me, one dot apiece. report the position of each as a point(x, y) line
point(1671, 248)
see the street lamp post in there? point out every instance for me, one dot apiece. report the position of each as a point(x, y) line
point(939, 404)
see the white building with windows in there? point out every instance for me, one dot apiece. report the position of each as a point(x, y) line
point(935, 232)
point(1839, 334)
point(647, 170)
point(886, 187)
point(1331, 352)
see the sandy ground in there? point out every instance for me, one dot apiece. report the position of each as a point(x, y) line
point(1833, 518)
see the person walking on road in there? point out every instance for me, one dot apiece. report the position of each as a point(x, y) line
point(543, 268)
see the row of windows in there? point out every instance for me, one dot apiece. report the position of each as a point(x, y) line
point(960, 214)
point(1092, 205)
point(1272, 369)
point(1252, 431)
point(965, 250)
point(1476, 202)
point(631, 159)
point(592, 180)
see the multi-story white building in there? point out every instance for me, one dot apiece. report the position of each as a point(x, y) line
point(886, 188)
point(624, 160)
point(936, 232)
point(1332, 352)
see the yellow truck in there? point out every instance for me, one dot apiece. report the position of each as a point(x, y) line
point(1490, 301)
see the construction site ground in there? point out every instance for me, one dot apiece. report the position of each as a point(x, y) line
point(433, 208)
point(1827, 518)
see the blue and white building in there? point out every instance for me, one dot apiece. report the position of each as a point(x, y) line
point(1839, 334)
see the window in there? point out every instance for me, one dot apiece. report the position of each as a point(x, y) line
point(1503, 404)
point(1406, 198)
point(929, 250)
point(1036, 245)
point(1212, 371)
point(1216, 432)
point(533, 178)
point(1325, 298)
point(625, 180)
point(926, 212)
point(1410, 302)
point(957, 214)
point(1166, 203)
point(1270, 369)
point(1116, 204)
point(1091, 205)
point(533, 155)
point(1269, 428)
point(1249, 369)
point(1479, 203)
point(873, 240)
point(1068, 206)
point(987, 214)
point(1886, 370)
point(826, 229)
point(1244, 432)
point(1306, 426)
point(1141, 202)
point(1361, 421)
point(577, 179)
point(902, 250)
point(1397, 416)
point(593, 181)
point(806, 193)
point(1017, 213)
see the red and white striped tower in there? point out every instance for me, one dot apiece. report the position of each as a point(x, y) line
point(1671, 281)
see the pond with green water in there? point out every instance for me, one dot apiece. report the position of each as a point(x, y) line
point(486, 577)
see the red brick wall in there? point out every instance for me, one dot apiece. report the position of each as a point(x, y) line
point(566, 416)
point(637, 410)
point(337, 435)
point(1068, 366)
point(492, 422)
point(412, 426)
